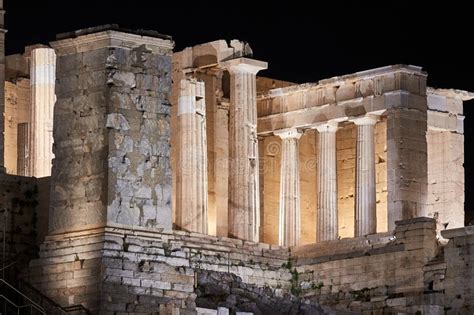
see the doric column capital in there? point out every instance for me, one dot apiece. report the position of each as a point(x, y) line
point(245, 65)
point(365, 120)
point(330, 126)
point(290, 133)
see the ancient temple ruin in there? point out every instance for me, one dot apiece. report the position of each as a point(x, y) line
point(183, 182)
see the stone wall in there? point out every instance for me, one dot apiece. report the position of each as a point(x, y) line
point(138, 271)
point(23, 208)
point(445, 139)
point(112, 145)
point(458, 282)
point(379, 273)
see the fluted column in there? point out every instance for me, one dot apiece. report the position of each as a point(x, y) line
point(23, 145)
point(43, 76)
point(191, 172)
point(327, 225)
point(365, 201)
point(290, 220)
point(244, 204)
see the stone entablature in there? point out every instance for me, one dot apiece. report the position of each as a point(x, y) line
point(372, 91)
point(111, 36)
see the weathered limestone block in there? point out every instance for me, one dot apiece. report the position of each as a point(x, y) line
point(406, 143)
point(112, 131)
point(458, 283)
point(21, 219)
point(445, 140)
point(144, 269)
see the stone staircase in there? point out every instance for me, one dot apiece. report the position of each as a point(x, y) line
point(28, 300)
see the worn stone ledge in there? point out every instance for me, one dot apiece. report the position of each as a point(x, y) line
point(465, 231)
point(415, 220)
point(342, 246)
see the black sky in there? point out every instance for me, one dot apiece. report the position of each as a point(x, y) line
point(302, 41)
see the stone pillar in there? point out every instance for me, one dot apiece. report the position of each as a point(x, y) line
point(326, 212)
point(43, 76)
point(365, 201)
point(191, 171)
point(23, 145)
point(112, 134)
point(244, 204)
point(290, 214)
point(407, 159)
point(2, 87)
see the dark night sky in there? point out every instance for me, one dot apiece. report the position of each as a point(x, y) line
point(302, 41)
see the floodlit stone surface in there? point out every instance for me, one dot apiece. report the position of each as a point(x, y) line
point(244, 188)
point(17, 111)
point(327, 228)
point(365, 208)
point(445, 139)
point(143, 270)
point(112, 148)
point(290, 212)
point(191, 169)
point(43, 77)
point(349, 175)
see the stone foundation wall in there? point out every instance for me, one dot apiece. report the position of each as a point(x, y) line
point(22, 217)
point(379, 273)
point(139, 271)
point(445, 139)
point(458, 282)
point(136, 271)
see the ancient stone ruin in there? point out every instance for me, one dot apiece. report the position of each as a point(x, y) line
point(138, 180)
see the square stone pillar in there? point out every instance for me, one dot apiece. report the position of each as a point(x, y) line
point(111, 131)
point(407, 161)
point(244, 204)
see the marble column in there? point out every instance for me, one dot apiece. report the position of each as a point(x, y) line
point(43, 76)
point(23, 144)
point(326, 212)
point(290, 213)
point(244, 204)
point(191, 172)
point(365, 202)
